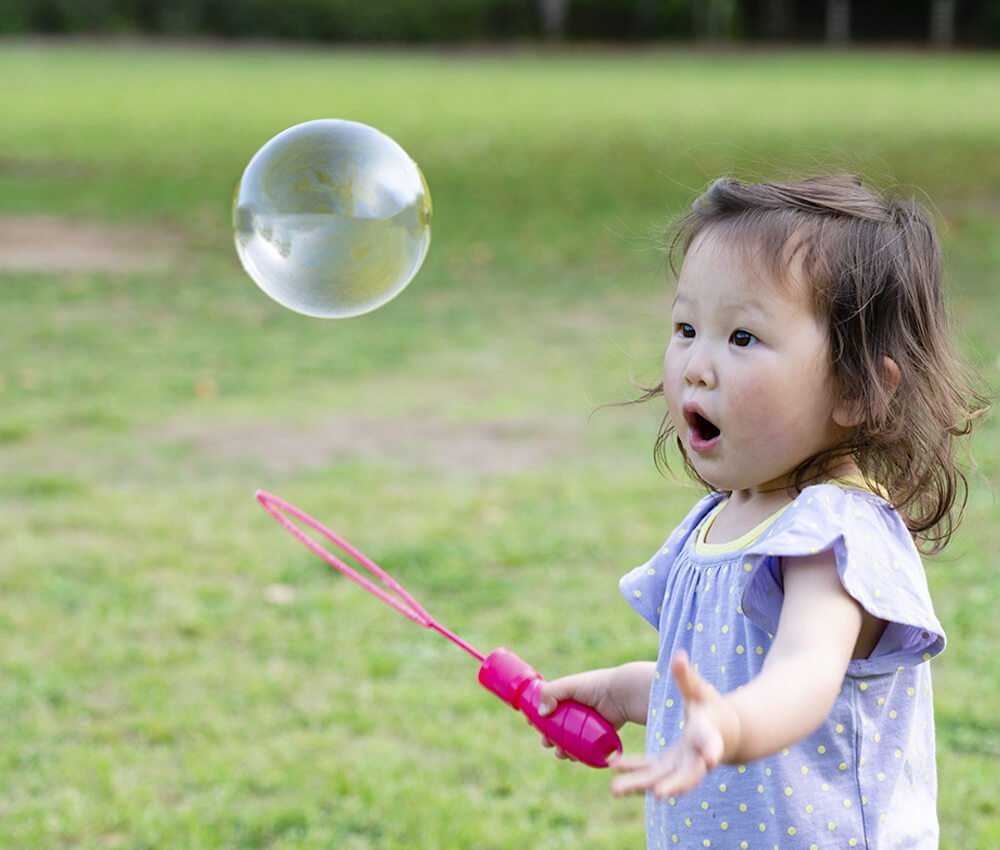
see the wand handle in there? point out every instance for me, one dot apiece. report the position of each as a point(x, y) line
point(577, 729)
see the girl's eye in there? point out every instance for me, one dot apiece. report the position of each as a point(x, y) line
point(743, 339)
point(684, 329)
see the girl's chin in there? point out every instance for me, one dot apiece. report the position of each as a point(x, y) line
point(712, 477)
point(719, 477)
point(718, 480)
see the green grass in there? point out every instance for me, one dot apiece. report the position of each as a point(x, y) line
point(152, 696)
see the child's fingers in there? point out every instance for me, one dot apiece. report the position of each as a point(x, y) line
point(703, 709)
point(692, 687)
point(626, 764)
point(555, 692)
point(675, 773)
point(582, 687)
point(684, 778)
point(559, 752)
point(641, 778)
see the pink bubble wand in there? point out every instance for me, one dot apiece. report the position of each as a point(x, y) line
point(579, 730)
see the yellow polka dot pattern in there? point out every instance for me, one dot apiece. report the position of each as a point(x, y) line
point(831, 790)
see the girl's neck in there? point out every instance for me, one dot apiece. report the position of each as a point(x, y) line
point(788, 486)
point(745, 509)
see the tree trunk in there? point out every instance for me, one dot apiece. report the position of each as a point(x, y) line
point(712, 18)
point(553, 16)
point(838, 22)
point(777, 19)
point(942, 23)
point(645, 15)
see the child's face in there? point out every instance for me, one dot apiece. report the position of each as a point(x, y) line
point(747, 374)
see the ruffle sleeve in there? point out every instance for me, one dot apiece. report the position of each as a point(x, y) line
point(645, 586)
point(878, 566)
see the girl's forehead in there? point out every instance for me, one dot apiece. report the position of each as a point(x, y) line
point(743, 263)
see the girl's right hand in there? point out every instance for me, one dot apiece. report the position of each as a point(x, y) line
point(619, 694)
point(709, 721)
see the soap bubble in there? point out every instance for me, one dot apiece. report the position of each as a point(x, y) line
point(332, 218)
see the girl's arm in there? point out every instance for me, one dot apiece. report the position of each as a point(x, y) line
point(818, 631)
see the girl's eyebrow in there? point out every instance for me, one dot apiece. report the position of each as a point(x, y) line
point(743, 304)
point(751, 304)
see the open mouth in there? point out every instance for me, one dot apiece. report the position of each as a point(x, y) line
point(704, 432)
point(705, 429)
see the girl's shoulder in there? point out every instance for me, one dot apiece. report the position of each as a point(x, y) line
point(844, 511)
point(877, 561)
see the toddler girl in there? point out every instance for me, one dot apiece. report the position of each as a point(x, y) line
point(811, 387)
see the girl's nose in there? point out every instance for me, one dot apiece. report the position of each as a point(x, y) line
point(699, 371)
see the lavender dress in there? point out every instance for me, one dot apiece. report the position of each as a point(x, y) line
point(866, 778)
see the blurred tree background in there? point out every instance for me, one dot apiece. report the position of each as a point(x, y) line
point(941, 23)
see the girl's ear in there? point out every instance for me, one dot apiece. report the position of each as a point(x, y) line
point(890, 374)
point(849, 413)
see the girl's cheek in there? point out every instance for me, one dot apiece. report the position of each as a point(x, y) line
point(670, 376)
point(753, 393)
point(673, 363)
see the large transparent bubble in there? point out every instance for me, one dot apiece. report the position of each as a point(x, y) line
point(332, 218)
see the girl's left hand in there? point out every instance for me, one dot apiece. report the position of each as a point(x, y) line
point(709, 724)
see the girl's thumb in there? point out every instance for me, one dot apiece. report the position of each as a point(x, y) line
point(547, 701)
point(546, 706)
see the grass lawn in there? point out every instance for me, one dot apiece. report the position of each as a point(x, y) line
point(177, 672)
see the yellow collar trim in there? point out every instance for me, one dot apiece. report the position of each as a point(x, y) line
point(703, 547)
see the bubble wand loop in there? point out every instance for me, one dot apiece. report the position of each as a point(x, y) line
point(402, 601)
point(577, 729)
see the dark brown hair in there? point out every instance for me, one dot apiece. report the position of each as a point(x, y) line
point(874, 265)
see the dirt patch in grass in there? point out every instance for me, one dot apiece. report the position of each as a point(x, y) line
point(50, 244)
point(442, 445)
